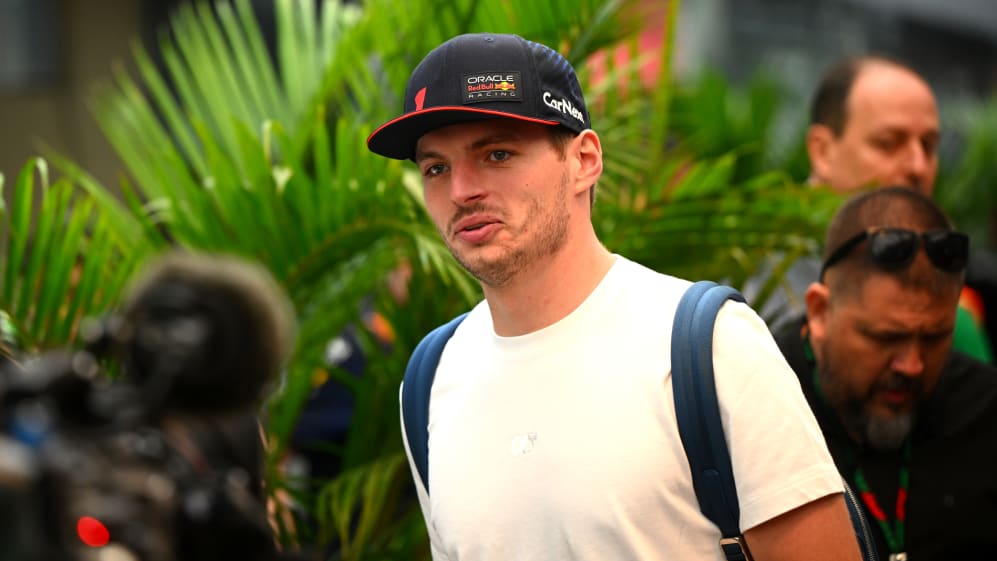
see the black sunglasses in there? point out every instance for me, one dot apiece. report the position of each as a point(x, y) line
point(895, 248)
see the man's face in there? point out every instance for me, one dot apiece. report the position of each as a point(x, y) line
point(890, 135)
point(880, 352)
point(498, 192)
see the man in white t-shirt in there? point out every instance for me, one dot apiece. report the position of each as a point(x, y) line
point(552, 431)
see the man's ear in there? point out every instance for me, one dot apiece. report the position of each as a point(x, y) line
point(820, 144)
point(587, 154)
point(817, 299)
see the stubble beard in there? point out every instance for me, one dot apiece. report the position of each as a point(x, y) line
point(550, 232)
point(883, 434)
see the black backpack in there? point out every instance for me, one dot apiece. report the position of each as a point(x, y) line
point(696, 409)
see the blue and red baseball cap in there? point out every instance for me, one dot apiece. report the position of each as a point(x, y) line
point(481, 76)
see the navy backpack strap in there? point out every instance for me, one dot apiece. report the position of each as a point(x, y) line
point(867, 545)
point(698, 411)
point(418, 382)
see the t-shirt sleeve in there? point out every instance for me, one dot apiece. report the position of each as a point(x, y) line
point(778, 454)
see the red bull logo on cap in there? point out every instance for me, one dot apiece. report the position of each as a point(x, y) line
point(491, 86)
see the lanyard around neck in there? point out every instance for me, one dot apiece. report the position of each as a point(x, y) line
point(895, 535)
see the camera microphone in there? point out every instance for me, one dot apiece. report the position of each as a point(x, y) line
point(203, 333)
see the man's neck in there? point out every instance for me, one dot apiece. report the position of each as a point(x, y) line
point(548, 290)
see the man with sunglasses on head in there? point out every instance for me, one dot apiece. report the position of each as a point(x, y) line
point(910, 423)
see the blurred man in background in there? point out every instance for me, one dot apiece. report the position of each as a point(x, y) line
point(873, 122)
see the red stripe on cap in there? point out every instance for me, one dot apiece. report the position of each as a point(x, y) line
point(420, 99)
point(406, 116)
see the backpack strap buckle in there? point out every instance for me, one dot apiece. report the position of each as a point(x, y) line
point(735, 549)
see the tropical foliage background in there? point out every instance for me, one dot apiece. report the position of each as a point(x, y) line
point(229, 147)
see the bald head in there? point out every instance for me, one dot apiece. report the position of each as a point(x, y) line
point(874, 122)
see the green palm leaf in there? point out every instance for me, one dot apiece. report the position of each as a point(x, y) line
point(65, 258)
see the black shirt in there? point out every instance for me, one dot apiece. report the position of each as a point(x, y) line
point(952, 497)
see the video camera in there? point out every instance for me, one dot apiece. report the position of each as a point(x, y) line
point(143, 445)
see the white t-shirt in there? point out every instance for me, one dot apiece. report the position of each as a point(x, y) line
point(563, 444)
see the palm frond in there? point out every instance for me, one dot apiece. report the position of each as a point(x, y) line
point(64, 258)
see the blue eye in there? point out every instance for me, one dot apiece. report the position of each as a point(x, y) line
point(434, 170)
point(499, 155)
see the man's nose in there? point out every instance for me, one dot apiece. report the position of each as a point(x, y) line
point(908, 360)
point(466, 185)
point(916, 164)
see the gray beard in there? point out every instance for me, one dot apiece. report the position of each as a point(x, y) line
point(883, 435)
point(888, 435)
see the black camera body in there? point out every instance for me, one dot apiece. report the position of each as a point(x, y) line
point(87, 470)
point(125, 449)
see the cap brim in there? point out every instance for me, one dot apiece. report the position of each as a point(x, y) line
point(397, 138)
